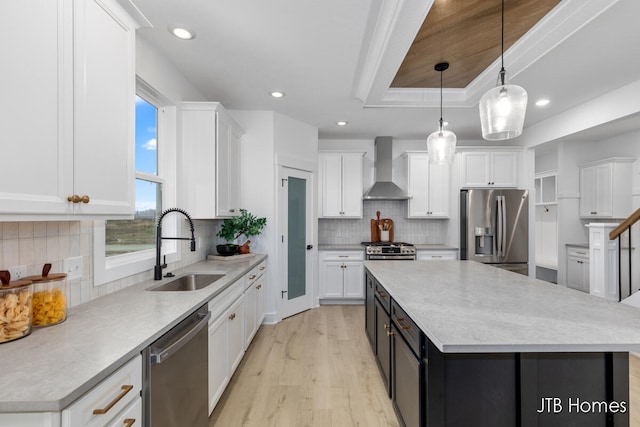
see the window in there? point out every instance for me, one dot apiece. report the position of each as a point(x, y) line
point(126, 247)
point(138, 234)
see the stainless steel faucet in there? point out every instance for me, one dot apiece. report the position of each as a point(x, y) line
point(157, 270)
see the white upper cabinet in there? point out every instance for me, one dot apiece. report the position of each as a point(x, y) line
point(428, 187)
point(490, 169)
point(340, 180)
point(605, 188)
point(69, 110)
point(211, 141)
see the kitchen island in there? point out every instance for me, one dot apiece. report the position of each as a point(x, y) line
point(501, 349)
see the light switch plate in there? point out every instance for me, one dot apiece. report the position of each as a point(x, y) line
point(73, 267)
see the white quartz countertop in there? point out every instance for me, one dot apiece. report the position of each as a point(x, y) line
point(469, 307)
point(52, 367)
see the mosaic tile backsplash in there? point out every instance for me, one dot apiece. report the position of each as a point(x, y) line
point(350, 231)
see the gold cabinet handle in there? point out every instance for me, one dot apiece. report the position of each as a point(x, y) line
point(253, 276)
point(128, 422)
point(387, 326)
point(390, 334)
point(402, 324)
point(262, 268)
point(232, 316)
point(77, 199)
point(125, 389)
point(259, 286)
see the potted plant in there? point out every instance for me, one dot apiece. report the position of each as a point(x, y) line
point(232, 228)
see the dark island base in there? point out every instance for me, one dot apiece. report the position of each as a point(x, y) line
point(525, 389)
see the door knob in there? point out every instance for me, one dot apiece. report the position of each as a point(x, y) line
point(309, 247)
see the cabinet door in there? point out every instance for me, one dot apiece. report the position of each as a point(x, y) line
point(439, 177)
point(575, 273)
point(353, 280)
point(419, 174)
point(604, 190)
point(223, 171)
point(218, 360)
point(331, 280)
point(104, 102)
point(476, 170)
point(352, 185)
point(383, 345)
point(260, 292)
point(370, 311)
point(235, 170)
point(249, 314)
point(331, 171)
point(588, 185)
point(36, 108)
point(235, 318)
point(504, 169)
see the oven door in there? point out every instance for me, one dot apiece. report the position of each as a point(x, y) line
point(405, 257)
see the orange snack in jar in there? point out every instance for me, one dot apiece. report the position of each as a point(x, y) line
point(49, 304)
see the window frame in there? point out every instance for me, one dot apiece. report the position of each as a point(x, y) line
point(107, 269)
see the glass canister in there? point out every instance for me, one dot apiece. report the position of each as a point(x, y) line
point(49, 304)
point(15, 307)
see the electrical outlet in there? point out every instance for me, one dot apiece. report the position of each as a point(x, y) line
point(18, 272)
point(73, 267)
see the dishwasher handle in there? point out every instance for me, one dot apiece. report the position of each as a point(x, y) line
point(158, 356)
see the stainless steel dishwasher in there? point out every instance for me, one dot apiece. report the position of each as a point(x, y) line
point(175, 391)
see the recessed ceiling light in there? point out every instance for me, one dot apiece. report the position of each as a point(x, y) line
point(277, 94)
point(182, 33)
point(542, 102)
point(342, 123)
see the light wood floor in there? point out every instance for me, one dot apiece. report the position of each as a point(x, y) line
point(312, 369)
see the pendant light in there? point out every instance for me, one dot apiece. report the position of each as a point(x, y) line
point(441, 144)
point(502, 108)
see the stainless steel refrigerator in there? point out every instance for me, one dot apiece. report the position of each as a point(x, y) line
point(494, 228)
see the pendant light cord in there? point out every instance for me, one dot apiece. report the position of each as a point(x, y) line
point(441, 121)
point(502, 70)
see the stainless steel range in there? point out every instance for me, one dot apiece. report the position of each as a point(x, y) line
point(390, 251)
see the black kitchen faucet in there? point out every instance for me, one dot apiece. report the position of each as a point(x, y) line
point(157, 270)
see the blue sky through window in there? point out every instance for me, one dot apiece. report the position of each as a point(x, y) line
point(146, 152)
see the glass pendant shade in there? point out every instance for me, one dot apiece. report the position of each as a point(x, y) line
point(441, 146)
point(502, 111)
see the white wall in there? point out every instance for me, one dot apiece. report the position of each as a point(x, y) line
point(272, 139)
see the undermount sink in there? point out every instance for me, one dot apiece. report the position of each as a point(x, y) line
point(188, 282)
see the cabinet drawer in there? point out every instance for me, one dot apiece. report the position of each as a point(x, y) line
point(437, 256)
point(383, 296)
point(578, 252)
point(131, 417)
point(219, 304)
point(108, 398)
point(343, 256)
point(255, 274)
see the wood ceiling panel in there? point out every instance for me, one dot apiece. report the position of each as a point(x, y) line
point(465, 33)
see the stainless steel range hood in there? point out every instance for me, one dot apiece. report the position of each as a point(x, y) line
point(384, 188)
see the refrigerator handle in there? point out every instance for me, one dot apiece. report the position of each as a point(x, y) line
point(498, 226)
point(503, 233)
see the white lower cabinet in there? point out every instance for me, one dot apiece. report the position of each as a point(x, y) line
point(341, 275)
point(254, 302)
point(116, 397)
point(236, 315)
point(578, 268)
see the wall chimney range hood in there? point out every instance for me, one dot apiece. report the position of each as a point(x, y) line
point(384, 188)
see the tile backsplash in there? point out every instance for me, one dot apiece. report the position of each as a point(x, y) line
point(33, 244)
point(350, 231)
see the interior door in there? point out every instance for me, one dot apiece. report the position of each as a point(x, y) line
point(296, 227)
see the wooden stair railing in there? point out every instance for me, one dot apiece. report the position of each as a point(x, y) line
point(617, 234)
